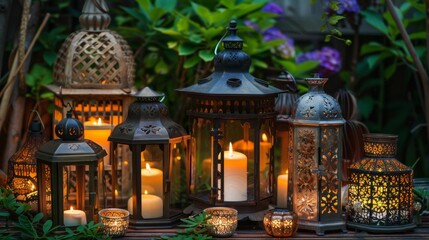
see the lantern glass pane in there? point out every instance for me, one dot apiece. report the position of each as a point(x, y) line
point(152, 171)
point(201, 158)
point(238, 173)
point(265, 145)
point(123, 184)
point(178, 176)
point(75, 185)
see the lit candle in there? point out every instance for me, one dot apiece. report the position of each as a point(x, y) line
point(282, 186)
point(74, 217)
point(98, 132)
point(151, 206)
point(152, 180)
point(235, 177)
point(264, 154)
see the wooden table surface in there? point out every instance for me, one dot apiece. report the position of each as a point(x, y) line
point(421, 232)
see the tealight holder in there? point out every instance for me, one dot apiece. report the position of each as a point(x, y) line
point(280, 222)
point(115, 221)
point(223, 221)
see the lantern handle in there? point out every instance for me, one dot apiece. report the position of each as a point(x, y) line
point(38, 116)
point(220, 40)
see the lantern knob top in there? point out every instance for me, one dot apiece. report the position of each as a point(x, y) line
point(95, 15)
point(69, 128)
point(232, 40)
point(149, 95)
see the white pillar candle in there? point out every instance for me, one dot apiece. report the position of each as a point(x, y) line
point(282, 186)
point(235, 176)
point(74, 217)
point(152, 206)
point(152, 181)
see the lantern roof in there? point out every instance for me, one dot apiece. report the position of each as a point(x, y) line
point(70, 148)
point(147, 122)
point(231, 76)
point(316, 106)
point(95, 57)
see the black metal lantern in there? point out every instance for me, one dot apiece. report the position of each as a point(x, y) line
point(380, 189)
point(70, 175)
point(316, 152)
point(158, 173)
point(232, 121)
point(284, 105)
point(22, 174)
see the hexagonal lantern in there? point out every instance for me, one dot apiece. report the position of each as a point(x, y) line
point(232, 121)
point(159, 154)
point(94, 73)
point(70, 176)
point(316, 152)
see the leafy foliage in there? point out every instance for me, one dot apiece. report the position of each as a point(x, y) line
point(195, 228)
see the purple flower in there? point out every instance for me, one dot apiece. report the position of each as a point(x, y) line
point(329, 60)
point(346, 6)
point(287, 48)
point(273, 8)
point(252, 25)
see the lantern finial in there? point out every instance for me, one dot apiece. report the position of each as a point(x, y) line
point(69, 128)
point(95, 15)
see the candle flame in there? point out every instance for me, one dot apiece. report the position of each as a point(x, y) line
point(264, 137)
point(148, 167)
point(230, 149)
point(99, 121)
point(71, 208)
point(287, 171)
point(145, 192)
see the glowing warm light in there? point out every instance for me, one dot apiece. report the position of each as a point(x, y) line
point(99, 121)
point(230, 150)
point(71, 208)
point(148, 167)
point(264, 137)
point(145, 192)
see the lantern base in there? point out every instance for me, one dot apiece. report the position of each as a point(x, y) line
point(320, 228)
point(156, 222)
point(381, 229)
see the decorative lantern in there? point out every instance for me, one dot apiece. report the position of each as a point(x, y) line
point(159, 153)
point(315, 151)
point(280, 222)
point(114, 220)
point(284, 104)
point(222, 221)
point(94, 73)
point(70, 175)
point(232, 121)
point(22, 175)
point(380, 188)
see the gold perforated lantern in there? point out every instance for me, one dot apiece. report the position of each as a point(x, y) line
point(315, 157)
point(380, 189)
point(94, 73)
point(22, 174)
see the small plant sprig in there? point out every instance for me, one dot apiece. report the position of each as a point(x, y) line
point(195, 228)
point(331, 20)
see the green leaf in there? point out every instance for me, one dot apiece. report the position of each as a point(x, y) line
point(172, 44)
point(389, 71)
point(187, 49)
point(156, 13)
point(334, 5)
point(375, 20)
point(47, 226)
point(206, 55)
point(259, 63)
point(191, 62)
point(333, 20)
point(195, 38)
point(372, 60)
point(182, 25)
point(38, 217)
point(328, 38)
point(418, 35)
point(227, 3)
point(49, 57)
point(372, 47)
point(161, 67)
point(168, 5)
point(202, 12)
point(169, 31)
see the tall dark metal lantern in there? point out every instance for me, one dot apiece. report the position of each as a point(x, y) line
point(158, 174)
point(231, 108)
point(70, 175)
point(316, 152)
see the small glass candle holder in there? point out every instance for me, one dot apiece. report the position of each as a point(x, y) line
point(115, 221)
point(280, 222)
point(223, 221)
